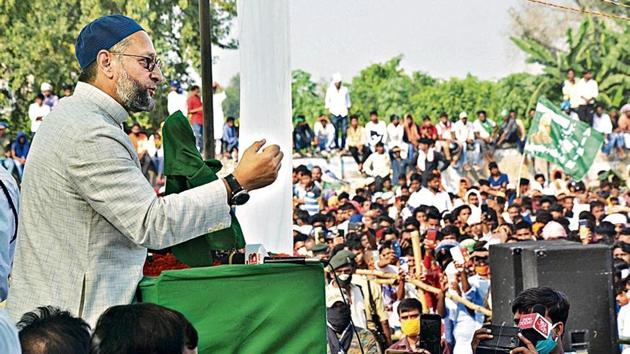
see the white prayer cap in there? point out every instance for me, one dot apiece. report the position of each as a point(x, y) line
point(336, 78)
point(553, 230)
point(46, 87)
point(463, 115)
point(616, 219)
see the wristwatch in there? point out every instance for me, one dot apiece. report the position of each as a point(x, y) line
point(239, 194)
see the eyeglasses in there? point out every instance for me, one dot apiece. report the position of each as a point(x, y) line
point(149, 63)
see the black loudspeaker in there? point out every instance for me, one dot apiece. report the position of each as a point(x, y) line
point(583, 273)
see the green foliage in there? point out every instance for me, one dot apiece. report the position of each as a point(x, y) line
point(596, 45)
point(306, 97)
point(231, 105)
point(38, 39)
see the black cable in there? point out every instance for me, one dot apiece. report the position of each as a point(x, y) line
point(354, 328)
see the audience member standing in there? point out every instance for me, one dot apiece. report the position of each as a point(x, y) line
point(586, 91)
point(218, 119)
point(375, 131)
point(195, 112)
point(37, 111)
point(176, 99)
point(50, 99)
point(337, 102)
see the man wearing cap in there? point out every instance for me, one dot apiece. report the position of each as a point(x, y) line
point(337, 102)
point(465, 136)
point(176, 99)
point(356, 290)
point(88, 214)
point(341, 335)
point(50, 99)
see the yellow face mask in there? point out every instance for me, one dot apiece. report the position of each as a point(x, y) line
point(410, 327)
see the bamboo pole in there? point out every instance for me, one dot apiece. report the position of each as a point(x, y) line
point(417, 252)
point(387, 277)
point(451, 296)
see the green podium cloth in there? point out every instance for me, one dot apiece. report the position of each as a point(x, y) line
point(268, 308)
point(184, 169)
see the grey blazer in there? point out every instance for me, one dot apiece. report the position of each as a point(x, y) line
point(88, 215)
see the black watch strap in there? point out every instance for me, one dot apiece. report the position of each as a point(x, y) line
point(233, 183)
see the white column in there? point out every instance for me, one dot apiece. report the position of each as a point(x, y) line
point(266, 113)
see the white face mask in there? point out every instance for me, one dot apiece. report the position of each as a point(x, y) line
point(343, 277)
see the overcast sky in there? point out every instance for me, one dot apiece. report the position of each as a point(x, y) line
point(445, 38)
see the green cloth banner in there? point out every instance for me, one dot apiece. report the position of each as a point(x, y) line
point(566, 142)
point(184, 169)
point(268, 308)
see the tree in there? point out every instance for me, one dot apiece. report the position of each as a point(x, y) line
point(38, 39)
point(306, 97)
point(595, 46)
point(232, 103)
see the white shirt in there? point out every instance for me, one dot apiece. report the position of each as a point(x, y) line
point(7, 229)
point(602, 123)
point(218, 118)
point(176, 102)
point(441, 200)
point(357, 304)
point(395, 135)
point(623, 324)
point(569, 93)
point(463, 131)
point(444, 130)
point(327, 132)
point(375, 132)
point(378, 165)
point(587, 89)
point(337, 100)
point(35, 111)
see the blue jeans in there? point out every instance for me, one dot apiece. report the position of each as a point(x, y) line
point(301, 142)
point(472, 152)
point(615, 140)
point(198, 130)
point(341, 128)
point(323, 143)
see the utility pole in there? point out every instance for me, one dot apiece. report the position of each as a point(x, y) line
point(206, 78)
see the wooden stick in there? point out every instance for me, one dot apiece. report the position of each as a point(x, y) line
point(376, 274)
point(417, 252)
point(384, 281)
point(454, 297)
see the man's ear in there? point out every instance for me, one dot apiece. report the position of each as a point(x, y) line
point(559, 329)
point(104, 61)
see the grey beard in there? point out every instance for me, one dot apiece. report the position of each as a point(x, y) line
point(132, 96)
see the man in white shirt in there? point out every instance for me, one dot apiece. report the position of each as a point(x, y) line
point(176, 99)
point(337, 102)
point(378, 165)
point(375, 130)
point(603, 124)
point(324, 133)
point(586, 91)
point(568, 90)
point(395, 132)
point(429, 195)
point(445, 136)
point(465, 135)
point(36, 112)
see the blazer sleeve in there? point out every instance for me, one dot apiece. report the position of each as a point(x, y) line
point(106, 176)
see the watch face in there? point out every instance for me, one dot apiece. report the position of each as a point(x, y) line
point(240, 198)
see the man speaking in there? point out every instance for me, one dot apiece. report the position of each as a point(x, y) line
point(88, 214)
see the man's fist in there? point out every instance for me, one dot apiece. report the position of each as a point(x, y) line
point(257, 168)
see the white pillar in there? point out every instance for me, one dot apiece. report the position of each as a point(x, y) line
point(266, 113)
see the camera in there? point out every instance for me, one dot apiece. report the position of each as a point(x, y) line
point(504, 340)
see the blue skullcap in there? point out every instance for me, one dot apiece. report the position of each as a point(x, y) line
point(103, 33)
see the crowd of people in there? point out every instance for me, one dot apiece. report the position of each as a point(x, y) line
point(403, 191)
point(15, 145)
point(371, 228)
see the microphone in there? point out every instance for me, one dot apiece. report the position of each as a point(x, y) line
point(535, 326)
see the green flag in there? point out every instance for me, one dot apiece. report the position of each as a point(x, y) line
point(569, 143)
